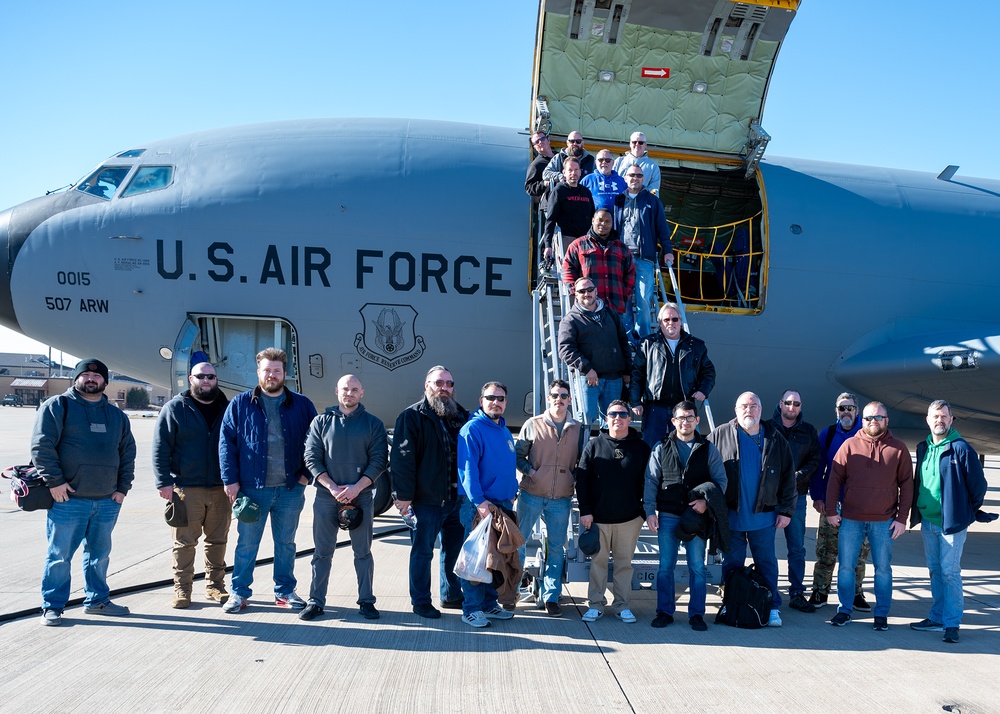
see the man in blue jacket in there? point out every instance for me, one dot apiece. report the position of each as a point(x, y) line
point(261, 453)
point(487, 475)
point(950, 488)
point(186, 459)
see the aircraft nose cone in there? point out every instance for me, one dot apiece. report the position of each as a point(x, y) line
point(7, 318)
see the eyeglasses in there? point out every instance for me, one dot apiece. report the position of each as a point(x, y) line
point(204, 376)
point(494, 397)
point(559, 395)
point(790, 403)
point(604, 161)
point(633, 175)
point(877, 417)
point(685, 419)
point(670, 319)
point(617, 415)
point(444, 383)
point(585, 291)
point(574, 141)
point(749, 407)
point(637, 142)
point(846, 408)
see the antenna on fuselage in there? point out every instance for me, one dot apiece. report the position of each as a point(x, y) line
point(949, 171)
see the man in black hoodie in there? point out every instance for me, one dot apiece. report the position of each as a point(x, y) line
point(186, 459)
point(609, 488)
point(804, 443)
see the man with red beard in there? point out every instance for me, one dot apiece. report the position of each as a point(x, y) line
point(261, 454)
point(425, 477)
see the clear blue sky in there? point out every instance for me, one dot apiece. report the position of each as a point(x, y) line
point(909, 85)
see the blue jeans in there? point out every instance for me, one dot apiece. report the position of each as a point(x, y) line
point(944, 561)
point(67, 525)
point(597, 399)
point(795, 539)
point(283, 505)
point(668, 542)
point(761, 543)
point(852, 534)
point(637, 318)
point(656, 423)
point(431, 521)
point(478, 596)
point(555, 514)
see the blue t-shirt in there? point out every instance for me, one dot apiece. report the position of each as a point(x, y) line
point(604, 189)
point(751, 459)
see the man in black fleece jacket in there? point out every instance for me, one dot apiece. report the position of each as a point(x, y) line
point(609, 488)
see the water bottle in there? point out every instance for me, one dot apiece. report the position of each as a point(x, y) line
point(410, 518)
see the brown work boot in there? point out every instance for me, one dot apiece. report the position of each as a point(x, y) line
point(217, 593)
point(180, 600)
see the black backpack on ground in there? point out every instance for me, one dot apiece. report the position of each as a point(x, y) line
point(746, 602)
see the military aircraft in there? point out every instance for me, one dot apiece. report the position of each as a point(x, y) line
point(383, 247)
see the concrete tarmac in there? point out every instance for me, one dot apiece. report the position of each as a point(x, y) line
point(266, 660)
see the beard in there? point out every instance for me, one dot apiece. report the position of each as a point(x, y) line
point(276, 385)
point(444, 407)
point(575, 150)
point(206, 394)
point(748, 422)
point(92, 387)
point(846, 423)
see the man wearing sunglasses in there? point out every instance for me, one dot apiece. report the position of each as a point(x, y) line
point(604, 184)
point(548, 449)
point(802, 440)
point(488, 478)
point(876, 474)
point(554, 173)
point(637, 156)
point(848, 412)
point(186, 460)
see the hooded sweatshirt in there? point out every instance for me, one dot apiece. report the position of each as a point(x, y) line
point(486, 460)
point(877, 478)
point(611, 477)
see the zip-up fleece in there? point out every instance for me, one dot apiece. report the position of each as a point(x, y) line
point(347, 446)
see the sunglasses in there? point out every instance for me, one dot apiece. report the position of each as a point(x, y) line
point(790, 403)
point(635, 175)
point(638, 142)
point(560, 395)
point(444, 383)
point(495, 398)
point(877, 417)
point(574, 141)
point(585, 291)
point(617, 415)
point(847, 408)
point(604, 161)
point(671, 319)
point(204, 376)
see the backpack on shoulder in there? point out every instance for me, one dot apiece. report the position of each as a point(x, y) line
point(746, 602)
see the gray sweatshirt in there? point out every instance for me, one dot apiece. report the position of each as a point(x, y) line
point(88, 445)
point(347, 446)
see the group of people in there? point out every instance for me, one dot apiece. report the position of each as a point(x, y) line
point(613, 224)
point(733, 489)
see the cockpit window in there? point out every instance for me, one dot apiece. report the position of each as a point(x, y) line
point(149, 178)
point(105, 181)
point(131, 154)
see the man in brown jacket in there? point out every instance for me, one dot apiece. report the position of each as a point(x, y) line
point(876, 473)
point(548, 449)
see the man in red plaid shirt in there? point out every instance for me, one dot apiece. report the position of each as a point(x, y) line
point(602, 257)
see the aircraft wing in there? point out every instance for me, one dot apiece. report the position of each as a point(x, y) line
point(690, 74)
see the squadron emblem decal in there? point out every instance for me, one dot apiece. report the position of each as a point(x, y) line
point(389, 338)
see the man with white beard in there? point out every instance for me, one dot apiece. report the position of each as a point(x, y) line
point(425, 478)
point(261, 454)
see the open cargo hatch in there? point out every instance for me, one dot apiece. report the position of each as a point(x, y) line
point(692, 75)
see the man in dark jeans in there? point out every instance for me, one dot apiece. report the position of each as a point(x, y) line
point(424, 467)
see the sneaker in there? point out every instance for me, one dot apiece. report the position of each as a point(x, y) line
point(799, 602)
point(881, 624)
point(291, 601)
point(311, 612)
point(840, 619)
point(817, 599)
point(860, 604)
point(368, 611)
point(53, 618)
point(217, 594)
point(697, 623)
point(498, 613)
point(552, 609)
point(476, 619)
point(180, 600)
point(452, 604)
point(775, 619)
point(926, 625)
point(107, 608)
point(662, 619)
point(427, 610)
point(592, 615)
point(235, 604)
point(950, 634)
point(626, 616)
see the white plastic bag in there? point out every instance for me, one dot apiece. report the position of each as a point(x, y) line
point(471, 562)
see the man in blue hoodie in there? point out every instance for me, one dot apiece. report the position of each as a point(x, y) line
point(950, 488)
point(487, 475)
